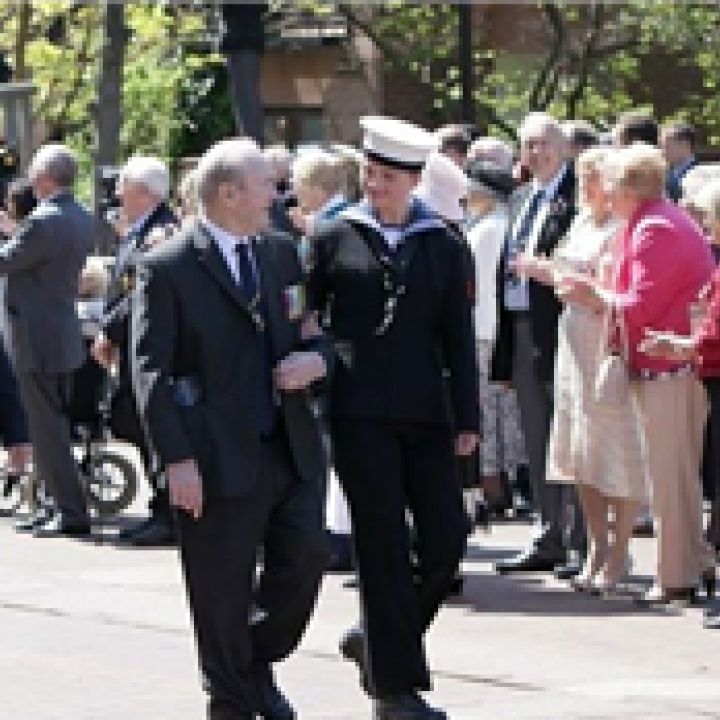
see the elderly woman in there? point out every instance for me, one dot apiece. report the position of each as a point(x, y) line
point(593, 446)
point(502, 449)
point(663, 262)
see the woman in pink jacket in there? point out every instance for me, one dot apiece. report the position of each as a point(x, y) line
point(663, 263)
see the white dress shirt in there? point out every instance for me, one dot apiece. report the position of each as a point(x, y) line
point(227, 244)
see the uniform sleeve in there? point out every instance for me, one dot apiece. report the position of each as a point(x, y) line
point(153, 343)
point(317, 271)
point(459, 343)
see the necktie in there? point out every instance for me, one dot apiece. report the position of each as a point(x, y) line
point(526, 225)
point(264, 390)
point(248, 281)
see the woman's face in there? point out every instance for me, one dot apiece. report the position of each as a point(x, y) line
point(593, 193)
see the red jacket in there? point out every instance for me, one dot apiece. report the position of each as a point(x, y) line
point(665, 262)
point(708, 336)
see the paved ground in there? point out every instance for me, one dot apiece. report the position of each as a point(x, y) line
point(90, 631)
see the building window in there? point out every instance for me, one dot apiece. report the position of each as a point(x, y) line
point(294, 126)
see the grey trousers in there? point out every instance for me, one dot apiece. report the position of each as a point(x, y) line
point(45, 398)
point(560, 520)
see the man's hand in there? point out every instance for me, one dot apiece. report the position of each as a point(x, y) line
point(185, 485)
point(466, 443)
point(19, 458)
point(104, 352)
point(299, 370)
point(7, 224)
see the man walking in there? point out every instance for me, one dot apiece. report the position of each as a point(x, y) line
point(222, 356)
point(392, 279)
point(43, 261)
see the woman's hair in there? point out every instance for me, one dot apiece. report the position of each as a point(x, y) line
point(20, 199)
point(709, 201)
point(319, 169)
point(594, 159)
point(639, 168)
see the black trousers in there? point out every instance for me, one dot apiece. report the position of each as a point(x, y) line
point(240, 620)
point(387, 469)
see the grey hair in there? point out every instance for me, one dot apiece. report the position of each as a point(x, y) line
point(149, 172)
point(540, 122)
point(226, 161)
point(56, 161)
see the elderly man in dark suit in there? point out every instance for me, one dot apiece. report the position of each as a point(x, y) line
point(540, 214)
point(143, 187)
point(223, 356)
point(42, 261)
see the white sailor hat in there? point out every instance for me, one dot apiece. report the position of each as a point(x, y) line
point(443, 185)
point(396, 142)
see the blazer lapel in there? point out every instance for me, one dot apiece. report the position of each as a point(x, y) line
point(214, 263)
point(278, 326)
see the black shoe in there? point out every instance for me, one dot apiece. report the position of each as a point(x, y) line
point(156, 531)
point(57, 526)
point(222, 711)
point(712, 623)
point(352, 648)
point(644, 528)
point(568, 571)
point(405, 706)
point(528, 562)
point(273, 705)
point(12, 480)
point(38, 518)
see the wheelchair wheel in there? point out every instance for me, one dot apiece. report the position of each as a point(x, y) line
point(10, 494)
point(112, 482)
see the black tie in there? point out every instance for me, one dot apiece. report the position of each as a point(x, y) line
point(523, 233)
point(248, 281)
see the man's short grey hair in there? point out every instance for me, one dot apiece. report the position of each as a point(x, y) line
point(226, 161)
point(56, 161)
point(540, 123)
point(149, 172)
point(493, 150)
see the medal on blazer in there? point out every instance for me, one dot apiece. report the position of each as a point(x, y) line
point(127, 281)
point(253, 308)
point(293, 297)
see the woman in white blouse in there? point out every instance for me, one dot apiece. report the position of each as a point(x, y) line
point(502, 448)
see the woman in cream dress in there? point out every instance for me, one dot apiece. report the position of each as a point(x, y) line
point(593, 446)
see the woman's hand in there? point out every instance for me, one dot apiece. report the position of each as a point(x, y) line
point(581, 290)
point(537, 268)
point(668, 346)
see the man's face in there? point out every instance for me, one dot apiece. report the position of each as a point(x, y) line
point(387, 188)
point(542, 153)
point(252, 199)
point(674, 149)
point(43, 185)
point(135, 200)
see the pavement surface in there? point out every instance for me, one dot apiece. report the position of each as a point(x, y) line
point(93, 631)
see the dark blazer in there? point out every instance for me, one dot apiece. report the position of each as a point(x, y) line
point(191, 320)
point(117, 308)
point(544, 306)
point(399, 375)
point(673, 183)
point(43, 261)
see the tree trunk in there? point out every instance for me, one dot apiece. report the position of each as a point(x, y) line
point(244, 78)
point(22, 35)
point(109, 106)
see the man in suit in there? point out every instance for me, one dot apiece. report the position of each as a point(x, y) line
point(540, 214)
point(143, 188)
point(42, 261)
point(389, 279)
point(677, 142)
point(222, 360)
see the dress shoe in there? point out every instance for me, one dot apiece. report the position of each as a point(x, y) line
point(273, 705)
point(57, 526)
point(527, 562)
point(39, 517)
point(222, 711)
point(644, 528)
point(12, 480)
point(352, 648)
point(155, 531)
point(665, 596)
point(568, 570)
point(712, 623)
point(405, 706)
